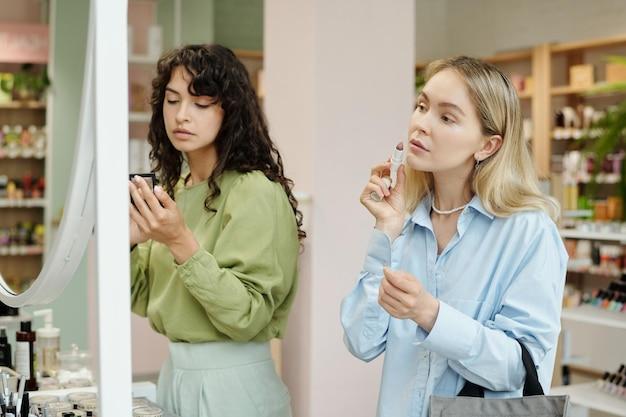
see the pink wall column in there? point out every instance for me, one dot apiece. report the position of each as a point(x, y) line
point(339, 93)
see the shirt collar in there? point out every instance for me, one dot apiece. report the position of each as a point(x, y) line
point(477, 205)
point(421, 214)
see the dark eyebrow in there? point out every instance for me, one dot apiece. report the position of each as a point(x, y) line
point(444, 104)
point(171, 90)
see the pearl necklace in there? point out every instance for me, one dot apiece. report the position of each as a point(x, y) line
point(454, 210)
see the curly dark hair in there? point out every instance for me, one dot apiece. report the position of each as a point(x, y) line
point(243, 142)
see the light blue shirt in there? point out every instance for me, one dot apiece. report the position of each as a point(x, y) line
point(498, 279)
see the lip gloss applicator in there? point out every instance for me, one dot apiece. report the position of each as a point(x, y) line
point(396, 161)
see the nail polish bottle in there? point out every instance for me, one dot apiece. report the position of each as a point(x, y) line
point(593, 296)
point(611, 303)
point(616, 385)
point(606, 387)
point(607, 299)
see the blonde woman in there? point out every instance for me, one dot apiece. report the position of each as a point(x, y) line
point(465, 259)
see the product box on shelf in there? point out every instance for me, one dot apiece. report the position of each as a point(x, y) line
point(581, 75)
point(615, 72)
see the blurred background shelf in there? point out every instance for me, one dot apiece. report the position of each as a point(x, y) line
point(589, 396)
point(25, 203)
point(12, 105)
point(142, 59)
point(139, 117)
point(577, 234)
point(595, 315)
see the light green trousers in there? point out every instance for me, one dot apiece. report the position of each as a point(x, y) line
point(222, 379)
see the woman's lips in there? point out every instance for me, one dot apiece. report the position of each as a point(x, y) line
point(182, 133)
point(418, 146)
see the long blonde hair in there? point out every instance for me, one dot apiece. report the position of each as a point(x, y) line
point(505, 182)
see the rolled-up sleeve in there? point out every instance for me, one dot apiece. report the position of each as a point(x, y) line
point(364, 321)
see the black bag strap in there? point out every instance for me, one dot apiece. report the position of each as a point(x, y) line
point(531, 383)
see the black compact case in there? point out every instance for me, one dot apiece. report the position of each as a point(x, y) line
point(150, 178)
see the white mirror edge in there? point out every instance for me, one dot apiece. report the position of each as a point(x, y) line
point(70, 243)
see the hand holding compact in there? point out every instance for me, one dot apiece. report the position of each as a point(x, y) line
point(155, 214)
point(403, 297)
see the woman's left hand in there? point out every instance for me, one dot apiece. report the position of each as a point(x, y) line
point(158, 217)
point(403, 296)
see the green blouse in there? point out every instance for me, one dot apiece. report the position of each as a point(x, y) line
point(241, 283)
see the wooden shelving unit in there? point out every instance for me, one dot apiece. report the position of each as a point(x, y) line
point(586, 91)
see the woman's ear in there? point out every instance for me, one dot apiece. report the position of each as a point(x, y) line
point(491, 146)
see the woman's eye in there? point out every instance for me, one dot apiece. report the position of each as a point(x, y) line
point(203, 106)
point(172, 101)
point(421, 107)
point(446, 119)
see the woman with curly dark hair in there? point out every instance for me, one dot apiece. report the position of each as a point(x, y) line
point(214, 249)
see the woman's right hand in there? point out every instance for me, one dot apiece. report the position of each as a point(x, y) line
point(390, 211)
point(136, 235)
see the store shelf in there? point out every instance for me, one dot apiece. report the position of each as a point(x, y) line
point(572, 214)
point(26, 203)
point(608, 237)
point(594, 274)
point(568, 90)
point(6, 320)
point(589, 44)
point(16, 105)
point(24, 158)
point(21, 251)
point(595, 315)
point(142, 59)
point(589, 396)
point(247, 53)
point(584, 370)
point(139, 117)
point(503, 57)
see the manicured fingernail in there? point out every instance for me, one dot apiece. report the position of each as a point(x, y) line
point(158, 189)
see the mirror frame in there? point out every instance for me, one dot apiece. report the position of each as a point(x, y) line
point(77, 224)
